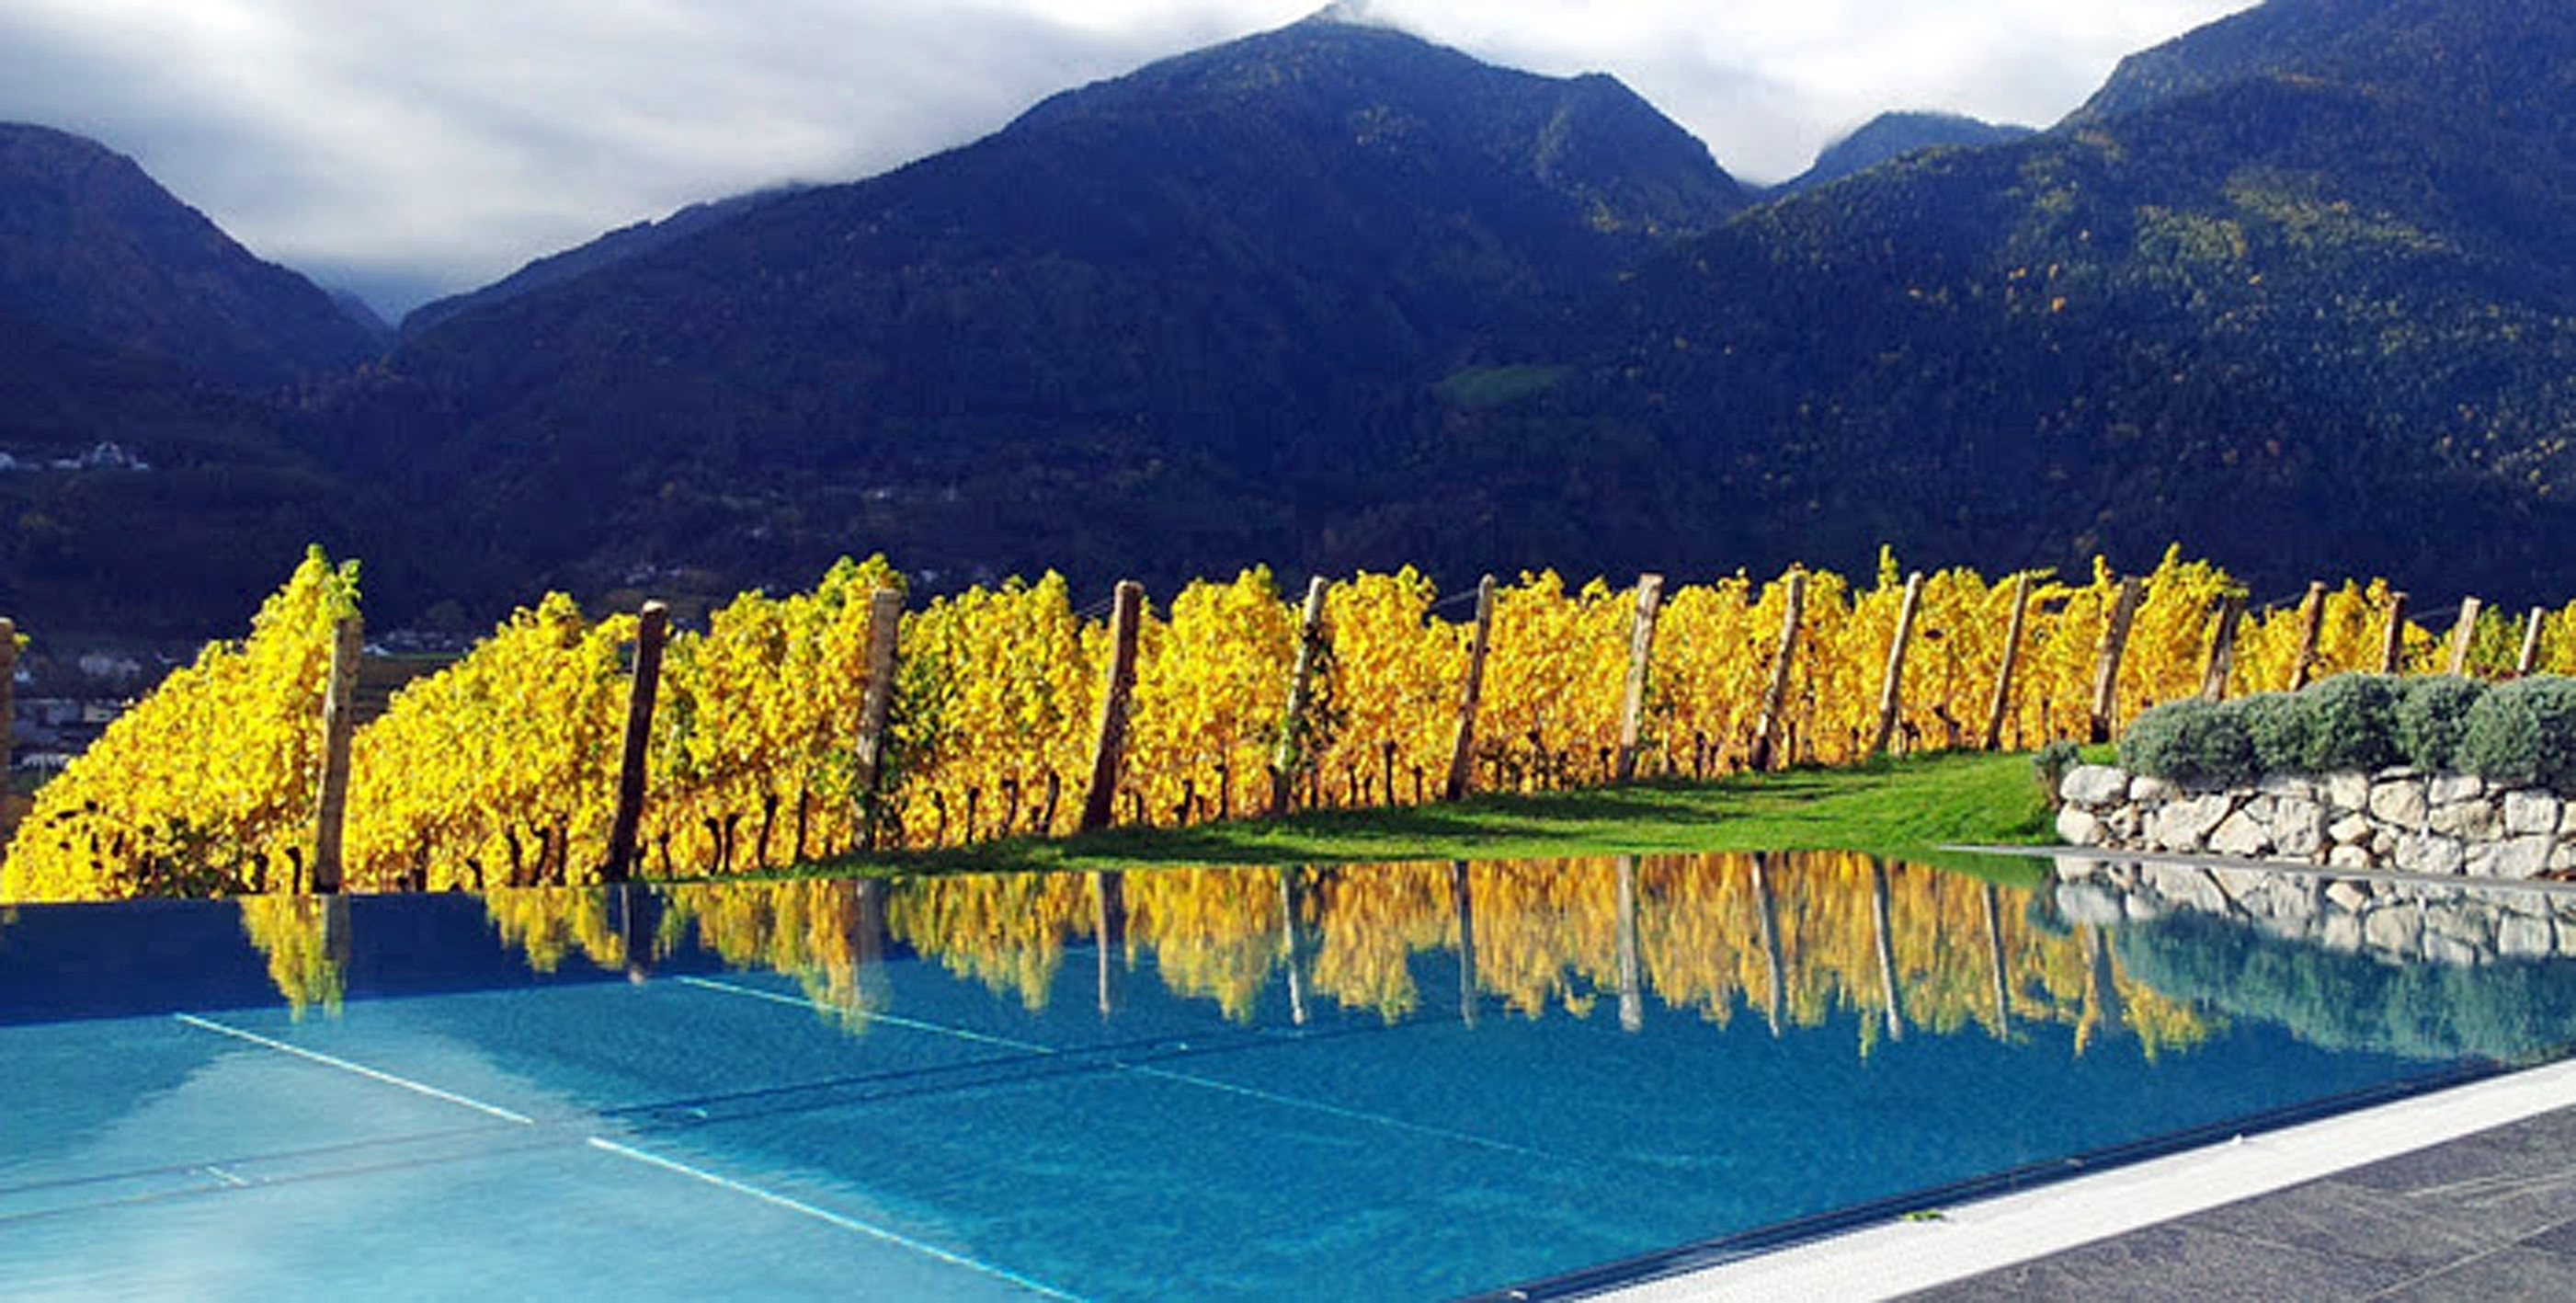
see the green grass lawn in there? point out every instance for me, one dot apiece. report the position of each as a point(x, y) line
point(1900, 807)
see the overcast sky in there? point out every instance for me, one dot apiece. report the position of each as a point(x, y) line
point(412, 148)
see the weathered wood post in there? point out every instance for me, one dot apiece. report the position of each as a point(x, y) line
point(2222, 647)
point(2392, 647)
point(1995, 965)
point(1462, 895)
point(652, 627)
point(1886, 935)
point(1295, 955)
point(2464, 633)
point(2312, 626)
point(2529, 660)
point(1891, 685)
point(1641, 655)
point(1109, 741)
point(1775, 698)
point(876, 708)
point(1775, 991)
point(8, 697)
point(1632, 983)
point(1462, 748)
point(2002, 703)
point(1109, 930)
point(1291, 755)
point(2115, 643)
point(339, 725)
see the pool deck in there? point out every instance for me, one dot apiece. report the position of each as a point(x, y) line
point(2462, 1193)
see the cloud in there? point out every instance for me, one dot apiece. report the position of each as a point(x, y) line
point(405, 149)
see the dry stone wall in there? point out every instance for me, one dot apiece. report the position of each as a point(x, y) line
point(2393, 819)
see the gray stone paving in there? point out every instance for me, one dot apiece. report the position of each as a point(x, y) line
point(2487, 1216)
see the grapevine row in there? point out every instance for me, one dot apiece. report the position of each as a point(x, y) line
point(503, 768)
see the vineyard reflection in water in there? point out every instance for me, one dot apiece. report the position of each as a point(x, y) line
point(1797, 940)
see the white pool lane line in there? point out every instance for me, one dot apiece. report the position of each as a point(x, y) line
point(620, 1149)
point(1160, 1074)
point(1971, 1239)
point(330, 1061)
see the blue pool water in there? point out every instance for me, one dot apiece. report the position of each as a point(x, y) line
point(1375, 1082)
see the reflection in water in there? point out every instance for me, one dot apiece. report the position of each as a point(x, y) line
point(1804, 938)
point(306, 940)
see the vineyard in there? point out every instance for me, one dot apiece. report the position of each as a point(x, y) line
point(777, 734)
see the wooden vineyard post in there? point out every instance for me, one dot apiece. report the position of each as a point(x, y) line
point(1641, 655)
point(1099, 799)
point(2529, 660)
point(1632, 986)
point(2002, 703)
point(2222, 647)
point(2115, 643)
point(2312, 625)
point(1891, 685)
point(652, 626)
point(1462, 748)
point(876, 706)
point(1775, 698)
point(8, 696)
point(2463, 633)
point(339, 724)
point(1291, 756)
point(2392, 648)
point(1885, 932)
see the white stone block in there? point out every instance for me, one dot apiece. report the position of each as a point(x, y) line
point(2093, 786)
point(2185, 825)
point(2528, 812)
point(2399, 802)
point(2393, 930)
point(2448, 789)
point(2076, 826)
point(2470, 820)
point(2429, 853)
point(2341, 932)
point(2144, 790)
point(2450, 951)
point(2349, 790)
point(2518, 937)
point(2522, 857)
point(2241, 833)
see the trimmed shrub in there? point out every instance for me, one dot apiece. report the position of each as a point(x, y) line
point(2524, 733)
point(2282, 727)
point(2432, 713)
point(2188, 741)
point(2352, 723)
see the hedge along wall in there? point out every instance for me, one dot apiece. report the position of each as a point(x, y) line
point(2435, 775)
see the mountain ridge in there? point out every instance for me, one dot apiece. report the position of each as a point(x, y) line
point(95, 246)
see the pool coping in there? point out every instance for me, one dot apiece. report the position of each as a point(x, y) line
point(1897, 1257)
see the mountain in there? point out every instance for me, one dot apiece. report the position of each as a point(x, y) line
point(2309, 324)
point(608, 250)
point(1894, 135)
point(2494, 64)
point(1165, 321)
point(94, 249)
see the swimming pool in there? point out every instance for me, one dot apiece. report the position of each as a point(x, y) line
point(1391, 1081)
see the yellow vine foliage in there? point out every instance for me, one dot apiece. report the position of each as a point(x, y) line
point(207, 785)
point(501, 769)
